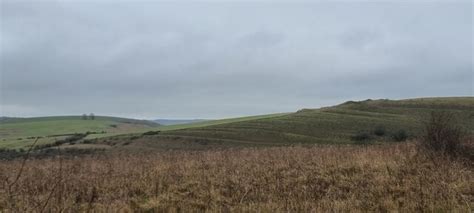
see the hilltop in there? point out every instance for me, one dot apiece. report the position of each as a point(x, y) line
point(178, 121)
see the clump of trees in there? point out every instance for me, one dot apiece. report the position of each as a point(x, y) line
point(88, 117)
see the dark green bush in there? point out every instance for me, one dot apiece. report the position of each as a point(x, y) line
point(151, 133)
point(400, 135)
point(361, 136)
point(379, 131)
point(134, 137)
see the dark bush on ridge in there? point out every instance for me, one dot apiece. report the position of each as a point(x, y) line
point(134, 137)
point(379, 131)
point(400, 135)
point(442, 134)
point(71, 140)
point(151, 133)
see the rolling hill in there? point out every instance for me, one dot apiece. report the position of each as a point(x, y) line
point(329, 125)
point(20, 132)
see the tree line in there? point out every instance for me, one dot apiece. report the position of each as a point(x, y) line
point(88, 117)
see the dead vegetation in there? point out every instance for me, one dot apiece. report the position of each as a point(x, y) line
point(320, 178)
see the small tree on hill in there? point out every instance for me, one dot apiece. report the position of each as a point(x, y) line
point(84, 117)
point(92, 116)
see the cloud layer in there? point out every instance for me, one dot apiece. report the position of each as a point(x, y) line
point(212, 60)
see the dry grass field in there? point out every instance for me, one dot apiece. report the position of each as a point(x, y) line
point(295, 179)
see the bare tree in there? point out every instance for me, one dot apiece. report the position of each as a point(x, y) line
point(442, 134)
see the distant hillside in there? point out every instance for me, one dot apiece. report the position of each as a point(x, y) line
point(5, 119)
point(59, 118)
point(19, 132)
point(334, 125)
point(177, 121)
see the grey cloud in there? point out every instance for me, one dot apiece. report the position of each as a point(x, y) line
point(361, 38)
point(213, 60)
point(261, 39)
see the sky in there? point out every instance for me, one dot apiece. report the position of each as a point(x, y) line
point(185, 59)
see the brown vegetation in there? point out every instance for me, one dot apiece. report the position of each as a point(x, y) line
point(442, 135)
point(319, 178)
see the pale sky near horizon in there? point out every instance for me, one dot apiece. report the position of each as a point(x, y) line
point(182, 59)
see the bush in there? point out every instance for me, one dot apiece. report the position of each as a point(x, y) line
point(361, 136)
point(379, 131)
point(442, 134)
point(400, 135)
point(134, 137)
point(151, 133)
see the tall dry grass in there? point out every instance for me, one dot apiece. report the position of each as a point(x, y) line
point(295, 179)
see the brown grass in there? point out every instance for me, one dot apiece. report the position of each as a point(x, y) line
point(295, 179)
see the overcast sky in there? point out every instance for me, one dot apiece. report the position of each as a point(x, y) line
point(213, 60)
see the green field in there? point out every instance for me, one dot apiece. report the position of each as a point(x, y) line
point(20, 132)
point(329, 125)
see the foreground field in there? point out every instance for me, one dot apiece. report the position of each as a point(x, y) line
point(298, 179)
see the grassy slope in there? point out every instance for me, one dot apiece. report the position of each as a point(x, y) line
point(14, 133)
point(326, 125)
point(218, 122)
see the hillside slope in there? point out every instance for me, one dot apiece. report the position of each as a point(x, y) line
point(332, 125)
point(19, 132)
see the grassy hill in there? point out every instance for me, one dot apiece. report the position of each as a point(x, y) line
point(334, 125)
point(328, 125)
point(19, 132)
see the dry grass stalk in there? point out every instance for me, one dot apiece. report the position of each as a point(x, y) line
point(320, 178)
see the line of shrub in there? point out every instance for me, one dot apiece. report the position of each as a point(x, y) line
point(379, 132)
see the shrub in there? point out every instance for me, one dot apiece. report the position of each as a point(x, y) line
point(361, 136)
point(379, 131)
point(442, 134)
point(151, 133)
point(400, 135)
point(134, 137)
